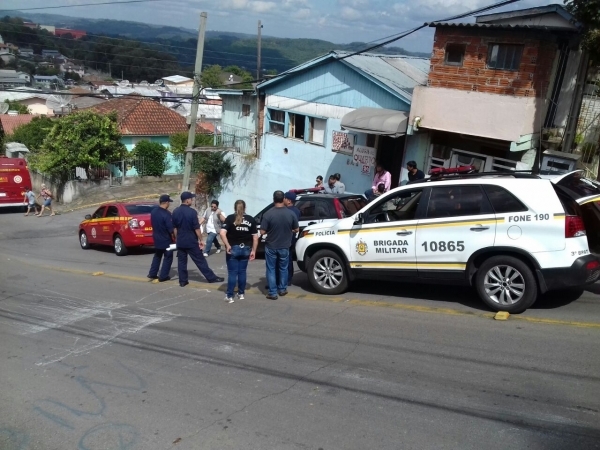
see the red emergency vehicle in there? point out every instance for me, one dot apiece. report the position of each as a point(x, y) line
point(14, 178)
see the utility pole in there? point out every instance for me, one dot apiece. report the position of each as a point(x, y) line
point(109, 70)
point(259, 49)
point(195, 100)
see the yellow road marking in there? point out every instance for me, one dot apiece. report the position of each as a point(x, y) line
point(117, 200)
point(354, 302)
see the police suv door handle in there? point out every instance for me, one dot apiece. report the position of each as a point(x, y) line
point(404, 233)
point(479, 228)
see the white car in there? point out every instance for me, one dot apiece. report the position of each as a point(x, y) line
point(511, 236)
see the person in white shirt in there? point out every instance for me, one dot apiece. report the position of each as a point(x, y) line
point(213, 218)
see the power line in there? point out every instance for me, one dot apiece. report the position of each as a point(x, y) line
point(80, 4)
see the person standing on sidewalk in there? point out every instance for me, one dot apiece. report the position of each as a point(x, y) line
point(163, 235)
point(213, 218)
point(240, 237)
point(189, 241)
point(279, 224)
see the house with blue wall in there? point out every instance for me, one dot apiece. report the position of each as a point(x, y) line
point(142, 119)
point(320, 118)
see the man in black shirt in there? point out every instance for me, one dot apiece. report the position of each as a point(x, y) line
point(162, 233)
point(189, 241)
point(413, 172)
point(279, 224)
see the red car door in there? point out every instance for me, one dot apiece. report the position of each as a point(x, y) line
point(111, 224)
point(93, 228)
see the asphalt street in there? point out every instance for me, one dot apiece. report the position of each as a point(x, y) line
point(92, 356)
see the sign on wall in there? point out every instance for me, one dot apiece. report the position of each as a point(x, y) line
point(343, 142)
point(365, 158)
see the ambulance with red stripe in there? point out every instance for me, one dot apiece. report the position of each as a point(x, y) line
point(511, 236)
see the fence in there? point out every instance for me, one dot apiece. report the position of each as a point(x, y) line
point(588, 135)
point(241, 139)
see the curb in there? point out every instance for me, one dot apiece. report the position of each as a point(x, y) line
point(353, 302)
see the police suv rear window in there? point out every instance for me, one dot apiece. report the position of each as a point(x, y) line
point(453, 201)
point(503, 201)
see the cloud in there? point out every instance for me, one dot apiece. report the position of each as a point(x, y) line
point(303, 13)
point(349, 13)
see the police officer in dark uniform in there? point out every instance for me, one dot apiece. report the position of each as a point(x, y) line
point(162, 233)
point(189, 241)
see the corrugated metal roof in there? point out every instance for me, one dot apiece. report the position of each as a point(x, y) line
point(493, 25)
point(177, 79)
point(400, 74)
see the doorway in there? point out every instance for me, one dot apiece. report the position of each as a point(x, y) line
point(390, 152)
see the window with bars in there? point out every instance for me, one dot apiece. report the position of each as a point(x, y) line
point(504, 56)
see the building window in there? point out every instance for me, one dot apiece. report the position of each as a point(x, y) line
point(276, 121)
point(504, 56)
point(297, 126)
point(245, 110)
point(371, 140)
point(455, 54)
point(316, 130)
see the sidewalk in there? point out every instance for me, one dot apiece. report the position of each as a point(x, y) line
point(138, 191)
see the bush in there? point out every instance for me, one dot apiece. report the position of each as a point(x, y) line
point(154, 156)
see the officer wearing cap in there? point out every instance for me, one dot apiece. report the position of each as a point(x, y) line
point(163, 235)
point(189, 241)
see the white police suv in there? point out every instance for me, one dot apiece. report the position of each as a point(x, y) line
point(510, 235)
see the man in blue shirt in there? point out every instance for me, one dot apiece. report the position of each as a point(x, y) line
point(189, 241)
point(162, 233)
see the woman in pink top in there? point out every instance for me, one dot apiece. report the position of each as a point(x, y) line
point(382, 182)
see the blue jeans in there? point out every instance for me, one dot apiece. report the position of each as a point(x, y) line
point(166, 267)
point(277, 261)
point(237, 263)
point(212, 237)
point(369, 194)
point(200, 261)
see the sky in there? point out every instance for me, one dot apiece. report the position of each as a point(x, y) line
point(338, 21)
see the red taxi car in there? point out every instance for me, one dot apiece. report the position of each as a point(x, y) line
point(120, 225)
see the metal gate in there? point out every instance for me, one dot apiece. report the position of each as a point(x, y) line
point(588, 134)
point(116, 173)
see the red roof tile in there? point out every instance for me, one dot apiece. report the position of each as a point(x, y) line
point(8, 123)
point(143, 117)
point(205, 128)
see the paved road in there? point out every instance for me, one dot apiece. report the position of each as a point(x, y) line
point(113, 362)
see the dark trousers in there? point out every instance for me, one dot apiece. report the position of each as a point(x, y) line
point(166, 266)
point(196, 254)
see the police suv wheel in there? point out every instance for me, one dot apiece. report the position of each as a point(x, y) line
point(120, 248)
point(327, 273)
point(83, 240)
point(505, 283)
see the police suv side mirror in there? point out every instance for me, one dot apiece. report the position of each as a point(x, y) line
point(88, 216)
point(359, 220)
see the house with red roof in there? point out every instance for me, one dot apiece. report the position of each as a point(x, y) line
point(9, 122)
point(142, 119)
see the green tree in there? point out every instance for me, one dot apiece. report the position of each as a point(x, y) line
point(81, 139)
point(211, 76)
point(153, 157)
point(588, 13)
point(216, 168)
point(16, 106)
point(32, 135)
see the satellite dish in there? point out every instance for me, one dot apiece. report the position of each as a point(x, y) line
point(58, 102)
point(4, 107)
point(123, 83)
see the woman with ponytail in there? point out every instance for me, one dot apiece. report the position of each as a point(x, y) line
point(240, 236)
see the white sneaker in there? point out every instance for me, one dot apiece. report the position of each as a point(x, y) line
point(206, 255)
point(218, 251)
point(240, 296)
point(229, 299)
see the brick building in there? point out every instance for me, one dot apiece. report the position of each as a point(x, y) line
point(493, 86)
